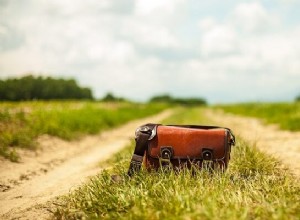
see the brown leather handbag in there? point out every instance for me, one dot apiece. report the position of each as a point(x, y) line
point(180, 146)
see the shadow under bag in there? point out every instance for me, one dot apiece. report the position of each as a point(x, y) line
point(181, 146)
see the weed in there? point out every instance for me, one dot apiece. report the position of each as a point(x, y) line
point(21, 123)
point(286, 115)
point(254, 187)
point(247, 190)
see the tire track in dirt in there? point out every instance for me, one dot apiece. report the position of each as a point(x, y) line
point(284, 145)
point(58, 167)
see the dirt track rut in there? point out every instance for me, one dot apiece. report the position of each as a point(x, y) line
point(284, 145)
point(26, 187)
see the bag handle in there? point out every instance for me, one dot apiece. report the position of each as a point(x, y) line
point(146, 132)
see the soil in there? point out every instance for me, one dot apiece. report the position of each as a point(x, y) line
point(29, 188)
point(283, 145)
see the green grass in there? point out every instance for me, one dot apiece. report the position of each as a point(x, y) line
point(286, 115)
point(189, 115)
point(254, 187)
point(21, 123)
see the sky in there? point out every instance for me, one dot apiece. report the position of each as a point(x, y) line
point(223, 51)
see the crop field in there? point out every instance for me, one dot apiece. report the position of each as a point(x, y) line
point(21, 123)
point(286, 115)
point(254, 187)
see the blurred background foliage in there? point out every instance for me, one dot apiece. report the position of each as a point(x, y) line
point(38, 87)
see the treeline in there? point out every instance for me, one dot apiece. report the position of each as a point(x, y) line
point(30, 88)
point(180, 101)
point(109, 97)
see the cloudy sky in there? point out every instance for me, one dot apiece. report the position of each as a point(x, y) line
point(225, 51)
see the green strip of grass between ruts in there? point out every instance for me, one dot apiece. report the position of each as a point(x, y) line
point(254, 187)
point(286, 115)
point(21, 123)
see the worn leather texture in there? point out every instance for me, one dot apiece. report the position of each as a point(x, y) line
point(188, 146)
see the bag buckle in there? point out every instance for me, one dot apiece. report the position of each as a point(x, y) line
point(147, 130)
point(166, 153)
point(207, 154)
point(207, 158)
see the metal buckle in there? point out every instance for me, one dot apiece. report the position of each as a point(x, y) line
point(207, 154)
point(145, 129)
point(166, 154)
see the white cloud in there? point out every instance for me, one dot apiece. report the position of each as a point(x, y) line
point(149, 35)
point(219, 40)
point(207, 23)
point(3, 30)
point(137, 49)
point(253, 17)
point(238, 50)
point(146, 8)
point(20, 61)
point(289, 1)
point(249, 50)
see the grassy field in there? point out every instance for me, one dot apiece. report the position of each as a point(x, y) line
point(254, 187)
point(287, 115)
point(21, 123)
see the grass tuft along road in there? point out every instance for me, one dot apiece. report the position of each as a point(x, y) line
point(286, 115)
point(22, 122)
point(254, 187)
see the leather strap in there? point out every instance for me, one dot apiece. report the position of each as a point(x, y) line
point(143, 134)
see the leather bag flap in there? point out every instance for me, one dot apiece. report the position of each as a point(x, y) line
point(189, 143)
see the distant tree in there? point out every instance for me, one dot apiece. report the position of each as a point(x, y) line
point(298, 98)
point(109, 97)
point(190, 101)
point(181, 101)
point(30, 87)
point(162, 98)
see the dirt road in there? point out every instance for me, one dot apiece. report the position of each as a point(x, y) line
point(59, 166)
point(284, 145)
